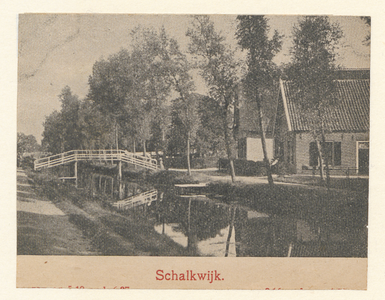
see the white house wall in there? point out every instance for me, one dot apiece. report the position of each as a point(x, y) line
point(254, 149)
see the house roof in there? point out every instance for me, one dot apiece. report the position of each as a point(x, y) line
point(350, 114)
point(249, 118)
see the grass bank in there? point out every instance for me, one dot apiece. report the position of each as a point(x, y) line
point(110, 233)
point(336, 207)
point(349, 183)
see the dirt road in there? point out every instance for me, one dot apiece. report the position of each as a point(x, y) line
point(44, 229)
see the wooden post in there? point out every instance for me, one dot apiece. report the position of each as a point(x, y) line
point(92, 184)
point(120, 181)
point(134, 154)
point(76, 174)
point(112, 187)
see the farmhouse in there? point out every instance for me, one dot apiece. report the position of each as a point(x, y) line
point(347, 141)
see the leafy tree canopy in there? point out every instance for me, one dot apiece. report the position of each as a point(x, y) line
point(26, 143)
point(315, 40)
point(262, 72)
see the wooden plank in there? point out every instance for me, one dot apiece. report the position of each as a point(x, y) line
point(191, 185)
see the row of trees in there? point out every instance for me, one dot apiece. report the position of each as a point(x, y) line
point(129, 93)
point(80, 125)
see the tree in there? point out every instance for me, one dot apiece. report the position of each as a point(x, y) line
point(70, 108)
point(186, 106)
point(150, 50)
point(312, 72)
point(62, 130)
point(167, 68)
point(210, 134)
point(219, 69)
point(186, 110)
point(53, 134)
point(95, 127)
point(160, 129)
point(25, 144)
point(262, 73)
point(112, 88)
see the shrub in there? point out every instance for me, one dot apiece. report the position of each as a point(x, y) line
point(244, 167)
point(27, 162)
point(284, 168)
point(180, 162)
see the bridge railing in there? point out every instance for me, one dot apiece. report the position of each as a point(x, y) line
point(55, 160)
point(75, 155)
point(143, 198)
point(139, 160)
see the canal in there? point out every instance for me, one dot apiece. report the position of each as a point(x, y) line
point(208, 227)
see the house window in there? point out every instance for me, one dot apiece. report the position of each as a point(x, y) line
point(337, 153)
point(313, 154)
point(288, 151)
point(330, 150)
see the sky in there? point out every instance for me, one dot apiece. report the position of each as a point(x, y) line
point(56, 50)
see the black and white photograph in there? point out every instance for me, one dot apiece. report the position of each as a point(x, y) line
point(193, 135)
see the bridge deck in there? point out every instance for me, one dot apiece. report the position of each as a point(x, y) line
point(105, 155)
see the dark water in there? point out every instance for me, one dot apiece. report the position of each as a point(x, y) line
point(207, 227)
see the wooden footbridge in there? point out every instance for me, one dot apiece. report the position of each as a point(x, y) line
point(74, 156)
point(96, 155)
point(136, 200)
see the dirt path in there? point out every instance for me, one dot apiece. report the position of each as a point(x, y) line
point(44, 229)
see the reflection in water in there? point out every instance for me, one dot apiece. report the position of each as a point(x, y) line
point(206, 227)
point(168, 229)
point(137, 200)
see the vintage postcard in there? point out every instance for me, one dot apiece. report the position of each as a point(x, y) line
point(183, 151)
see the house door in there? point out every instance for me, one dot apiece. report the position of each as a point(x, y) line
point(363, 157)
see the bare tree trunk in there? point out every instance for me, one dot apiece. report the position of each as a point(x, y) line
point(188, 154)
point(163, 147)
point(112, 187)
point(134, 144)
point(92, 184)
point(61, 144)
point(116, 135)
point(326, 160)
point(157, 152)
point(263, 139)
point(228, 148)
point(144, 147)
point(321, 161)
